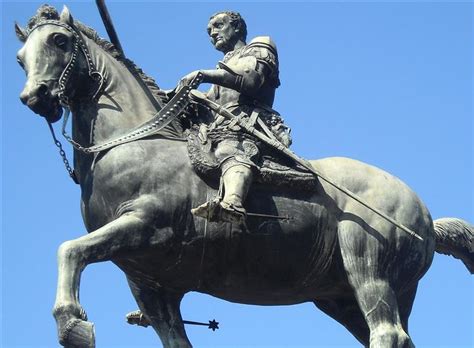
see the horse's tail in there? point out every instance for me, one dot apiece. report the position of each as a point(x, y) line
point(455, 237)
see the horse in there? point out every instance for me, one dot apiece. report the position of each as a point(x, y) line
point(136, 199)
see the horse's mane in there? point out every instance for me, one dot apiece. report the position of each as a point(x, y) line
point(110, 48)
point(47, 12)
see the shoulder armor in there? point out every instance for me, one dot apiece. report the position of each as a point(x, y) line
point(264, 41)
point(264, 49)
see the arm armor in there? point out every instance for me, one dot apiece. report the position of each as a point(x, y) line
point(248, 73)
point(258, 65)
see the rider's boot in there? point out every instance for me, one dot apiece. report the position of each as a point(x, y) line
point(237, 180)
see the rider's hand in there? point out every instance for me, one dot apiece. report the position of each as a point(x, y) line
point(186, 80)
point(202, 135)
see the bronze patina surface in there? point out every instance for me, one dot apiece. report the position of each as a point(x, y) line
point(299, 245)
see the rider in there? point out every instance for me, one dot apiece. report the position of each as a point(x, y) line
point(244, 82)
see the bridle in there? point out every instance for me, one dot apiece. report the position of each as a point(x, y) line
point(63, 80)
point(79, 43)
point(161, 119)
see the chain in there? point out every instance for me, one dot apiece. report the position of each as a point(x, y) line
point(63, 80)
point(164, 116)
point(62, 153)
point(69, 138)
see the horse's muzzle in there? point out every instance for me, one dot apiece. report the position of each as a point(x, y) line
point(40, 100)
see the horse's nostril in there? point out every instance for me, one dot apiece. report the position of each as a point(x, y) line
point(23, 98)
point(42, 90)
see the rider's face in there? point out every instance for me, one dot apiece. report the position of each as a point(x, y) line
point(222, 33)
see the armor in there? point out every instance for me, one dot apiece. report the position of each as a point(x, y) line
point(248, 93)
point(255, 67)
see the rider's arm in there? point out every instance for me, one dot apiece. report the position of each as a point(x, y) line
point(257, 65)
point(247, 81)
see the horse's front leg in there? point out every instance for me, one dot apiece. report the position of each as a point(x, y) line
point(127, 231)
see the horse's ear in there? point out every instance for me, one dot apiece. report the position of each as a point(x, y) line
point(66, 16)
point(20, 33)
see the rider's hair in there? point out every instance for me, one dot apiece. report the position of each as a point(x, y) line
point(237, 22)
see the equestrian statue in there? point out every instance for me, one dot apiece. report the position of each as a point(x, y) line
point(189, 191)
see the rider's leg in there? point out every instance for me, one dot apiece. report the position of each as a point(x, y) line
point(237, 180)
point(237, 165)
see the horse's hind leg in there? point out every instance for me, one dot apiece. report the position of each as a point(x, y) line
point(379, 305)
point(161, 309)
point(346, 311)
point(73, 256)
point(405, 304)
point(364, 258)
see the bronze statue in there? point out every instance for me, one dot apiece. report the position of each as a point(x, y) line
point(138, 184)
point(244, 83)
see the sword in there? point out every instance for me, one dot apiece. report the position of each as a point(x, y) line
point(137, 318)
point(200, 97)
point(212, 325)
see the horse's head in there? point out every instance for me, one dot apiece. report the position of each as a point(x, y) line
point(49, 57)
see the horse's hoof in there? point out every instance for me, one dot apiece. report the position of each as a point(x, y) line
point(78, 333)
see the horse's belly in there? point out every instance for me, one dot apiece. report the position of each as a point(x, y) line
point(273, 259)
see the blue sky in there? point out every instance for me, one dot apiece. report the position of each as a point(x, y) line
point(388, 83)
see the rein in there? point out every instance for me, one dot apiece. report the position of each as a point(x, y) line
point(158, 121)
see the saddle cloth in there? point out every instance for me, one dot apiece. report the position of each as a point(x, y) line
point(272, 168)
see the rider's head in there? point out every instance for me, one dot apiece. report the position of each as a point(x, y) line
point(226, 29)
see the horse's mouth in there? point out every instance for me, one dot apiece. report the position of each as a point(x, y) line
point(49, 108)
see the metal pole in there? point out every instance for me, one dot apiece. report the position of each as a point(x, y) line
point(109, 26)
point(198, 96)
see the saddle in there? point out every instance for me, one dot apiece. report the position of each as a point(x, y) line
point(273, 168)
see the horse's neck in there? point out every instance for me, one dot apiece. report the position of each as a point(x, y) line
point(122, 104)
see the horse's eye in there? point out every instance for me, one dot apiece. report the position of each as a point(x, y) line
point(60, 40)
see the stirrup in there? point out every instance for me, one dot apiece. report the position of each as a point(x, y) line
point(231, 213)
point(220, 211)
point(209, 210)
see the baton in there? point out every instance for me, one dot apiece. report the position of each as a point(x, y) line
point(200, 97)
